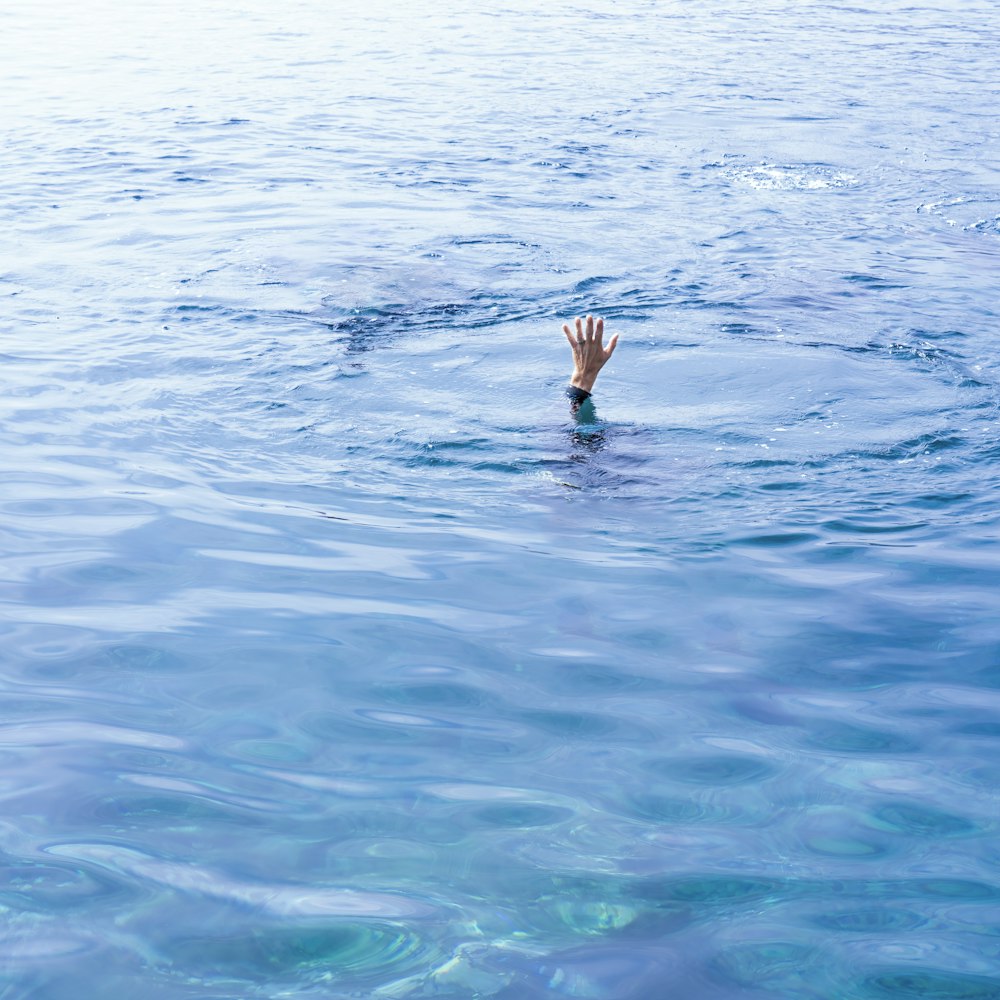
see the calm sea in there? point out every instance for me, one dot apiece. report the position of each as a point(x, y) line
point(339, 661)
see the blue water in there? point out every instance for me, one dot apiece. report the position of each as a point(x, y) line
point(339, 660)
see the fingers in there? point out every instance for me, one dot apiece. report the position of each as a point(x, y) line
point(589, 331)
point(585, 333)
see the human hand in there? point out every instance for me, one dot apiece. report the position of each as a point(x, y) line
point(589, 353)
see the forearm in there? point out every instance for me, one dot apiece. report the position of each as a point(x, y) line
point(584, 381)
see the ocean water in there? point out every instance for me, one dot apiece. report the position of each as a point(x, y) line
point(340, 660)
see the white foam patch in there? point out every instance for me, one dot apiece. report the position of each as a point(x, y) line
point(971, 213)
point(791, 177)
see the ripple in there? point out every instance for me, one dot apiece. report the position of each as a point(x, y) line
point(922, 821)
point(451, 695)
point(932, 985)
point(717, 770)
point(947, 888)
point(585, 725)
point(842, 847)
point(876, 919)
point(597, 679)
point(408, 719)
point(667, 809)
point(38, 944)
point(138, 656)
point(841, 832)
point(69, 732)
point(319, 953)
point(989, 729)
point(846, 738)
point(280, 899)
point(273, 751)
point(712, 889)
point(775, 965)
point(521, 816)
point(593, 918)
point(46, 888)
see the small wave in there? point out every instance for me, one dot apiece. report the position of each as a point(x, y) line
point(765, 176)
point(985, 226)
point(978, 213)
point(283, 900)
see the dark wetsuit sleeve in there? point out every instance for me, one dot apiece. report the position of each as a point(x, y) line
point(577, 398)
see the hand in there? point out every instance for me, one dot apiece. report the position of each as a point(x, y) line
point(589, 352)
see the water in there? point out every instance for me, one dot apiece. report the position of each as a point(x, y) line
point(340, 661)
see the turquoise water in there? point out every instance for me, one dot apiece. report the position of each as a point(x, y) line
point(339, 660)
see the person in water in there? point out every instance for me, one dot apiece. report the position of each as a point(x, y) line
point(589, 357)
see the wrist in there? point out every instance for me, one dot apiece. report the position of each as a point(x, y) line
point(584, 382)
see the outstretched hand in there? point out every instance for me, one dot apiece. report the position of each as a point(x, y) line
point(589, 353)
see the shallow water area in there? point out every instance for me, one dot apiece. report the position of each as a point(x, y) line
point(340, 659)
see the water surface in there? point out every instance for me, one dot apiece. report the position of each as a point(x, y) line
point(339, 660)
